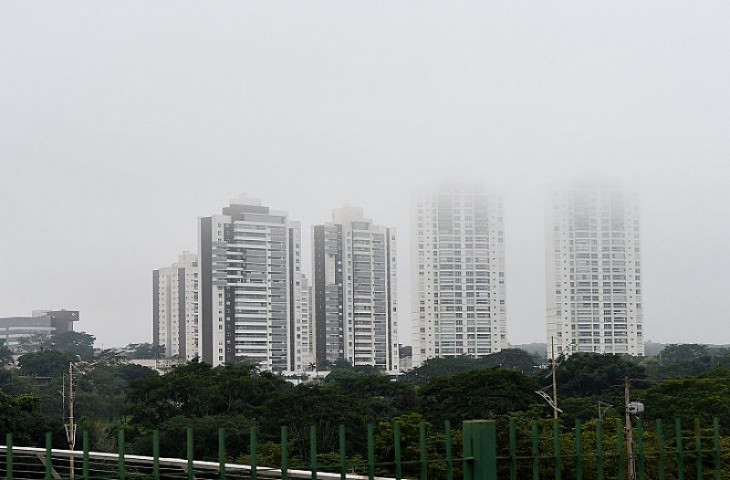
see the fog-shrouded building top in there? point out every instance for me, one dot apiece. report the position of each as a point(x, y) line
point(175, 307)
point(250, 286)
point(458, 266)
point(593, 271)
point(354, 291)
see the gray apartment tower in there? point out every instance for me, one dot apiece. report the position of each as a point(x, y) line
point(250, 286)
point(354, 300)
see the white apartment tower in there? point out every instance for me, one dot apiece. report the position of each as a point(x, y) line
point(250, 286)
point(459, 274)
point(175, 307)
point(354, 294)
point(304, 329)
point(593, 271)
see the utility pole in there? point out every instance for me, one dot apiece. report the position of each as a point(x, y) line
point(71, 424)
point(555, 382)
point(631, 464)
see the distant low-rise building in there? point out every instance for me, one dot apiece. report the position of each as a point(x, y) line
point(25, 334)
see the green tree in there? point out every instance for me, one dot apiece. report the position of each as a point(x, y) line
point(590, 374)
point(476, 395)
point(46, 363)
point(78, 343)
point(6, 355)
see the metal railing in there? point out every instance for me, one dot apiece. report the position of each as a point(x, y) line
point(524, 449)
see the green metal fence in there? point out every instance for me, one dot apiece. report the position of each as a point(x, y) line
point(480, 450)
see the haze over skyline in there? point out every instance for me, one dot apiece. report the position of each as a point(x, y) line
point(122, 122)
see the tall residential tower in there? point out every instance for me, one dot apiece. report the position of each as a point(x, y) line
point(354, 300)
point(175, 308)
point(250, 286)
point(593, 271)
point(459, 274)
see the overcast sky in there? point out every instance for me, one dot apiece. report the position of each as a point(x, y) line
point(122, 122)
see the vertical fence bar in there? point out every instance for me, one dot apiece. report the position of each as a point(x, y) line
point(578, 451)
point(371, 451)
point(49, 456)
point(640, 448)
point(156, 454)
point(222, 454)
point(9, 456)
point(284, 454)
point(680, 448)
point(512, 449)
point(190, 453)
point(449, 453)
point(621, 462)
point(121, 455)
point(254, 456)
point(85, 461)
point(716, 448)
point(396, 450)
point(343, 453)
point(698, 448)
point(422, 450)
point(535, 452)
point(556, 449)
point(313, 451)
point(662, 460)
point(600, 462)
point(480, 445)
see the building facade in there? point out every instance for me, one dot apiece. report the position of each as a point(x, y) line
point(27, 334)
point(250, 286)
point(593, 271)
point(459, 274)
point(354, 294)
point(175, 308)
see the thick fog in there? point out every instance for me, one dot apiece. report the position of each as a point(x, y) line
point(122, 122)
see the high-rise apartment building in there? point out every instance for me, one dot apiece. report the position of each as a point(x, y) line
point(250, 286)
point(459, 274)
point(304, 336)
point(354, 300)
point(593, 271)
point(175, 307)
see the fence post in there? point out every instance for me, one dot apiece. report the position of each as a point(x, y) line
point(371, 451)
point(343, 453)
point(422, 449)
point(156, 454)
point(621, 450)
point(716, 446)
point(698, 448)
point(449, 453)
point(9, 455)
point(661, 468)
point(396, 451)
point(512, 449)
point(254, 455)
point(222, 453)
point(600, 466)
point(680, 448)
point(49, 456)
point(556, 448)
point(85, 461)
point(480, 450)
point(578, 451)
point(284, 454)
point(121, 454)
point(535, 452)
point(313, 451)
point(640, 447)
point(191, 453)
